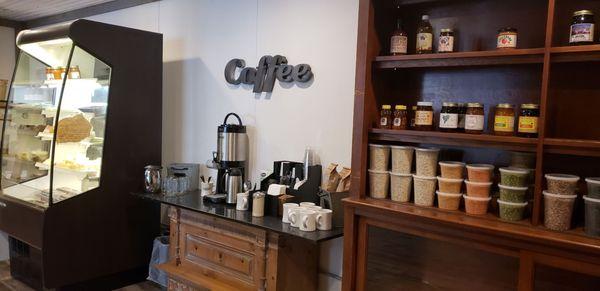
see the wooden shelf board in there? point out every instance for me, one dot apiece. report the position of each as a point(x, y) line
point(574, 238)
point(579, 53)
point(454, 139)
point(473, 58)
point(579, 147)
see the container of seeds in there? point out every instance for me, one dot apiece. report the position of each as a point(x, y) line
point(402, 159)
point(378, 183)
point(447, 185)
point(522, 160)
point(379, 155)
point(400, 187)
point(480, 172)
point(448, 201)
point(476, 205)
point(561, 184)
point(452, 170)
point(514, 177)
point(558, 210)
point(513, 194)
point(424, 190)
point(592, 216)
point(478, 189)
point(593, 186)
point(427, 160)
point(512, 211)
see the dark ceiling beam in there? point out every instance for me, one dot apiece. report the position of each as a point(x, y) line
point(11, 23)
point(85, 12)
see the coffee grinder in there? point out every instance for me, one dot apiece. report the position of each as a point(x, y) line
point(230, 160)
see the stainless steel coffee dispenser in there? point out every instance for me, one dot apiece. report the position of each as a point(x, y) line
point(231, 157)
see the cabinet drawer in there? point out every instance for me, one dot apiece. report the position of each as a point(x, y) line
point(206, 252)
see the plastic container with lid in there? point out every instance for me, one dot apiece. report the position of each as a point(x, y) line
point(402, 159)
point(449, 117)
point(448, 201)
point(478, 189)
point(528, 120)
point(514, 177)
point(513, 194)
point(379, 156)
point(504, 119)
point(427, 159)
point(512, 211)
point(452, 170)
point(476, 205)
point(522, 160)
point(385, 117)
point(561, 184)
point(507, 38)
point(474, 118)
point(582, 28)
point(378, 183)
point(558, 211)
point(592, 216)
point(480, 172)
point(400, 187)
point(593, 186)
point(446, 40)
point(449, 185)
point(424, 188)
point(424, 116)
point(400, 120)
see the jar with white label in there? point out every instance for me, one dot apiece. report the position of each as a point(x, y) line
point(398, 40)
point(507, 38)
point(449, 117)
point(424, 116)
point(474, 119)
point(446, 41)
point(582, 28)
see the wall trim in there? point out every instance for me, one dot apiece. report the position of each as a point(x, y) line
point(11, 23)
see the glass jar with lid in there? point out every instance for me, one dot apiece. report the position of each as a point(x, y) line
point(412, 114)
point(400, 117)
point(385, 117)
point(474, 118)
point(582, 28)
point(424, 116)
point(528, 120)
point(462, 113)
point(507, 38)
point(504, 119)
point(446, 41)
point(449, 116)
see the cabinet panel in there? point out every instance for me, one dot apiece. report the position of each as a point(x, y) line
point(554, 279)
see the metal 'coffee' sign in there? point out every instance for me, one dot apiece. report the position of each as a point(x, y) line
point(263, 76)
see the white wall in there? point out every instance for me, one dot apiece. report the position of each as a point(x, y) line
point(200, 37)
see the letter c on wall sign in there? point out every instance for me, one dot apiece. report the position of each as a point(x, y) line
point(230, 71)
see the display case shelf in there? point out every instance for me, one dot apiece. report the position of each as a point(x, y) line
point(458, 59)
point(578, 147)
point(580, 53)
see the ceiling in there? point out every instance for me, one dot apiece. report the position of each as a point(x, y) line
point(25, 10)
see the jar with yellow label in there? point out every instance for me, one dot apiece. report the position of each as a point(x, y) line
point(504, 119)
point(400, 117)
point(385, 117)
point(528, 120)
point(424, 116)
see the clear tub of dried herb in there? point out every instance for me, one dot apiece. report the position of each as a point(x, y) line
point(480, 172)
point(522, 160)
point(378, 183)
point(512, 211)
point(402, 158)
point(448, 185)
point(427, 160)
point(592, 216)
point(379, 156)
point(593, 186)
point(400, 186)
point(514, 177)
point(558, 210)
point(476, 205)
point(513, 194)
point(424, 190)
point(448, 201)
point(452, 170)
point(561, 184)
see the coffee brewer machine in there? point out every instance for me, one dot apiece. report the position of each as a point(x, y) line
point(231, 158)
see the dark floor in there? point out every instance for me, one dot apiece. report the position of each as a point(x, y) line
point(7, 283)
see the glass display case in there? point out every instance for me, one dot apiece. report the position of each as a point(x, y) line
point(54, 130)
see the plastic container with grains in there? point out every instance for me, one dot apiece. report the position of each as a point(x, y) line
point(522, 160)
point(402, 159)
point(478, 189)
point(453, 170)
point(558, 210)
point(424, 190)
point(378, 183)
point(561, 184)
point(512, 211)
point(427, 160)
point(515, 177)
point(400, 187)
point(480, 172)
point(592, 216)
point(452, 186)
point(513, 194)
point(593, 186)
point(379, 155)
point(448, 201)
point(476, 205)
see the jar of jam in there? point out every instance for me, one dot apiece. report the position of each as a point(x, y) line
point(449, 116)
point(385, 117)
point(424, 116)
point(462, 113)
point(582, 28)
point(400, 117)
point(504, 119)
point(413, 112)
point(446, 41)
point(507, 38)
point(474, 118)
point(528, 120)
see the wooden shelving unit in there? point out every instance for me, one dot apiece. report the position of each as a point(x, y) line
point(544, 70)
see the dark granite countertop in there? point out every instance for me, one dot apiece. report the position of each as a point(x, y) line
point(192, 201)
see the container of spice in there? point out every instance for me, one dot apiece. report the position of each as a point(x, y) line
point(378, 183)
point(402, 158)
point(507, 38)
point(427, 160)
point(478, 189)
point(462, 113)
point(424, 116)
point(424, 190)
point(592, 216)
point(512, 211)
point(448, 201)
point(453, 170)
point(513, 194)
point(582, 28)
point(522, 160)
point(448, 185)
point(514, 177)
point(480, 172)
point(400, 186)
point(379, 156)
point(385, 117)
point(504, 119)
point(449, 117)
point(593, 186)
point(474, 118)
point(446, 41)
point(561, 184)
point(558, 210)
point(400, 117)
point(476, 205)
point(528, 120)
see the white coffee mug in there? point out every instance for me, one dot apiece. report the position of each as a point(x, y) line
point(294, 216)
point(324, 217)
point(285, 218)
point(304, 204)
point(314, 207)
point(242, 201)
point(308, 220)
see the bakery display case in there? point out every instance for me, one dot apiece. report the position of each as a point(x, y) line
point(82, 119)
